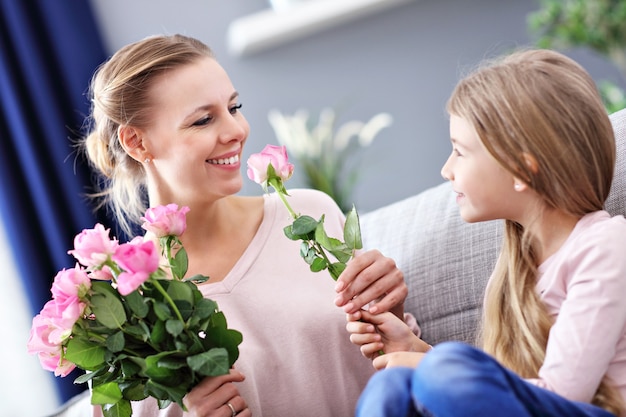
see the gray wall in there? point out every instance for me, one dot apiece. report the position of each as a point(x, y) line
point(404, 61)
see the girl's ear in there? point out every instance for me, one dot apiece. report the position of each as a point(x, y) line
point(130, 139)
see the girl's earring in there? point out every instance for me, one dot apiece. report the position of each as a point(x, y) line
point(517, 186)
point(147, 160)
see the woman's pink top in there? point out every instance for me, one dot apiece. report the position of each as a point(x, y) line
point(296, 354)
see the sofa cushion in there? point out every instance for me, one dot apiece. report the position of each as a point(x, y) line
point(447, 262)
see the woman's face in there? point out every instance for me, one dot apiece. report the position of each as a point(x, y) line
point(485, 190)
point(197, 135)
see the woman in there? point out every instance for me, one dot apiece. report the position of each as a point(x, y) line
point(167, 126)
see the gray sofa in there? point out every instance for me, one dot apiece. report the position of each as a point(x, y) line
point(446, 261)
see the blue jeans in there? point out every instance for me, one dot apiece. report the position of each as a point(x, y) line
point(455, 379)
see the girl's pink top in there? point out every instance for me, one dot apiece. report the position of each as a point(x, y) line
point(583, 286)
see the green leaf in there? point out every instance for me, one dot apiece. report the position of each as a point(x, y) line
point(107, 307)
point(197, 279)
point(84, 354)
point(162, 311)
point(319, 264)
point(137, 304)
point(211, 363)
point(115, 342)
point(174, 327)
point(336, 269)
point(307, 252)
point(352, 230)
point(158, 333)
point(108, 393)
point(180, 265)
point(121, 408)
point(304, 225)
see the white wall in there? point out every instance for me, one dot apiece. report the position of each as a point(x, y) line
point(404, 61)
point(27, 390)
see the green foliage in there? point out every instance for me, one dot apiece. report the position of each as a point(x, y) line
point(599, 25)
point(159, 343)
point(316, 243)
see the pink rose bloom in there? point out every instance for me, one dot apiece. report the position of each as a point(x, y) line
point(138, 259)
point(92, 247)
point(48, 333)
point(270, 155)
point(70, 283)
point(165, 220)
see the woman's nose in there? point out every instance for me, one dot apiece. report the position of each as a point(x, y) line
point(234, 128)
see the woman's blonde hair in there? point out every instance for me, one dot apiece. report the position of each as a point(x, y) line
point(120, 95)
point(543, 104)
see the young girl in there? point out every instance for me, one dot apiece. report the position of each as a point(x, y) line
point(167, 128)
point(532, 144)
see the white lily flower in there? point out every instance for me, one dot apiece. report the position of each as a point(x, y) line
point(326, 149)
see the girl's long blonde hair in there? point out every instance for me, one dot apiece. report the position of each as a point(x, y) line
point(120, 95)
point(544, 104)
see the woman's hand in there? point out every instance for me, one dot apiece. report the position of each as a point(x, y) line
point(384, 332)
point(212, 396)
point(371, 278)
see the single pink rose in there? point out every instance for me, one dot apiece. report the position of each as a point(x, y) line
point(270, 155)
point(92, 247)
point(165, 220)
point(138, 259)
point(51, 328)
point(70, 283)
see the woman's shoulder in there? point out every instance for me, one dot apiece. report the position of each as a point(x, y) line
point(311, 196)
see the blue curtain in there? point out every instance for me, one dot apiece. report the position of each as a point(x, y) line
point(48, 53)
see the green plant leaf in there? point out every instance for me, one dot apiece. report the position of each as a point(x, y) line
point(162, 311)
point(336, 269)
point(352, 230)
point(115, 342)
point(137, 304)
point(318, 264)
point(211, 363)
point(86, 355)
point(174, 327)
point(304, 225)
point(108, 393)
point(180, 265)
point(106, 306)
point(121, 408)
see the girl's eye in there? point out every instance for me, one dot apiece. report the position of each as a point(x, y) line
point(235, 108)
point(456, 152)
point(204, 121)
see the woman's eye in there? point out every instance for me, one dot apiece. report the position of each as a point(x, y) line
point(235, 108)
point(204, 121)
point(456, 152)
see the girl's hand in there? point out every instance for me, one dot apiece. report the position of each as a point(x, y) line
point(371, 278)
point(406, 359)
point(212, 396)
point(376, 333)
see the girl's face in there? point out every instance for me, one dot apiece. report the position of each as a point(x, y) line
point(197, 135)
point(485, 190)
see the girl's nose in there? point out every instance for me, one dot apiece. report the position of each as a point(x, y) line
point(446, 171)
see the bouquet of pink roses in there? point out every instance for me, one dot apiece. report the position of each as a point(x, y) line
point(126, 315)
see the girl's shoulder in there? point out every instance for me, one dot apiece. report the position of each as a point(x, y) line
point(601, 225)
